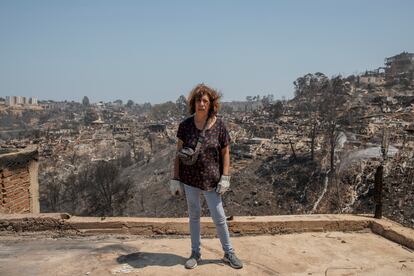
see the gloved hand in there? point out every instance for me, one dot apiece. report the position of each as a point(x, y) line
point(223, 185)
point(176, 188)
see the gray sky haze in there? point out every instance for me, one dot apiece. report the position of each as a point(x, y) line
point(154, 51)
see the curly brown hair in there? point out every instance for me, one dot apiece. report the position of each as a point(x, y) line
point(199, 91)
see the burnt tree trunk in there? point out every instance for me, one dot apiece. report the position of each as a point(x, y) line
point(332, 143)
point(313, 138)
point(378, 191)
point(293, 149)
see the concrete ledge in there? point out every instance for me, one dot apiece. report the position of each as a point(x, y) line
point(13, 157)
point(179, 226)
point(394, 232)
point(33, 222)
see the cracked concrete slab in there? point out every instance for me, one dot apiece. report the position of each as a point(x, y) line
point(324, 244)
point(317, 253)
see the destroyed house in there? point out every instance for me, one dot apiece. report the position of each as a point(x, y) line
point(120, 129)
point(157, 127)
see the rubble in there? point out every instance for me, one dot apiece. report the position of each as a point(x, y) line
point(280, 161)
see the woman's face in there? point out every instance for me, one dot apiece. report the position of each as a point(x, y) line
point(202, 104)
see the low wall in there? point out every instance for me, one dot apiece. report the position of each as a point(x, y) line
point(179, 226)
point(19, 187)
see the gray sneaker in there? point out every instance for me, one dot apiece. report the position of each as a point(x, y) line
point(232, 260)
point(193, 260)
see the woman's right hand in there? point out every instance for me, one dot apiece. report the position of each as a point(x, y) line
point(176, 188)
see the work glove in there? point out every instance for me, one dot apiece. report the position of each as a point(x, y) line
point(176, 188)
point(223, 185)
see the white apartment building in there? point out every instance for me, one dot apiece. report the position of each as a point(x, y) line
point(33, 101)
point(10, 100)
point(20, 100)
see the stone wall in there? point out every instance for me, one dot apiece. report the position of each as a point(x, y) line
point(18, 182)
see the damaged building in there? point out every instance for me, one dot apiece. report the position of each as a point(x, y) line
point(400, 67)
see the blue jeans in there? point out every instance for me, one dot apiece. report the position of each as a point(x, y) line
point(215, 206)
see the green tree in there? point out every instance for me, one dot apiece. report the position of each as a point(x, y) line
point(164, 111)
point(85, 101)
point(146, 107)
point(310, 85)
point(182, 105)
point(275, 109)
point(89, 117)
point(118, 102)
point(130, 103)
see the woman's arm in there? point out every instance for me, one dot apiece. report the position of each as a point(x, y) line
point(176, 174)
point(225, 154)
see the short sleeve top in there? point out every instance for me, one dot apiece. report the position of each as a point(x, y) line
point(206, 172)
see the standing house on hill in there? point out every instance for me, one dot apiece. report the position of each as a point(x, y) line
point(399, 66)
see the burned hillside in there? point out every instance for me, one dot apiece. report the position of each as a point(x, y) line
point(316, 153)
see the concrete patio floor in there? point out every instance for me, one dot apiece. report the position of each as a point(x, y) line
point(312, 253)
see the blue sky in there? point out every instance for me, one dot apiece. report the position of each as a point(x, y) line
point(154, 51)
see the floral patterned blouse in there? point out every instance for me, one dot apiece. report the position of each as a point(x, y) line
point(206, 172)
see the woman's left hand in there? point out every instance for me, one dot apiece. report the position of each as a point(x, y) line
point(223, 185)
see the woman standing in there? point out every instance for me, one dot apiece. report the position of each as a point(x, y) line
point(205, 138)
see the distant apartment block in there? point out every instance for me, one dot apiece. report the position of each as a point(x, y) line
point(10, 100)
point(33, 101)
point(20, 100)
